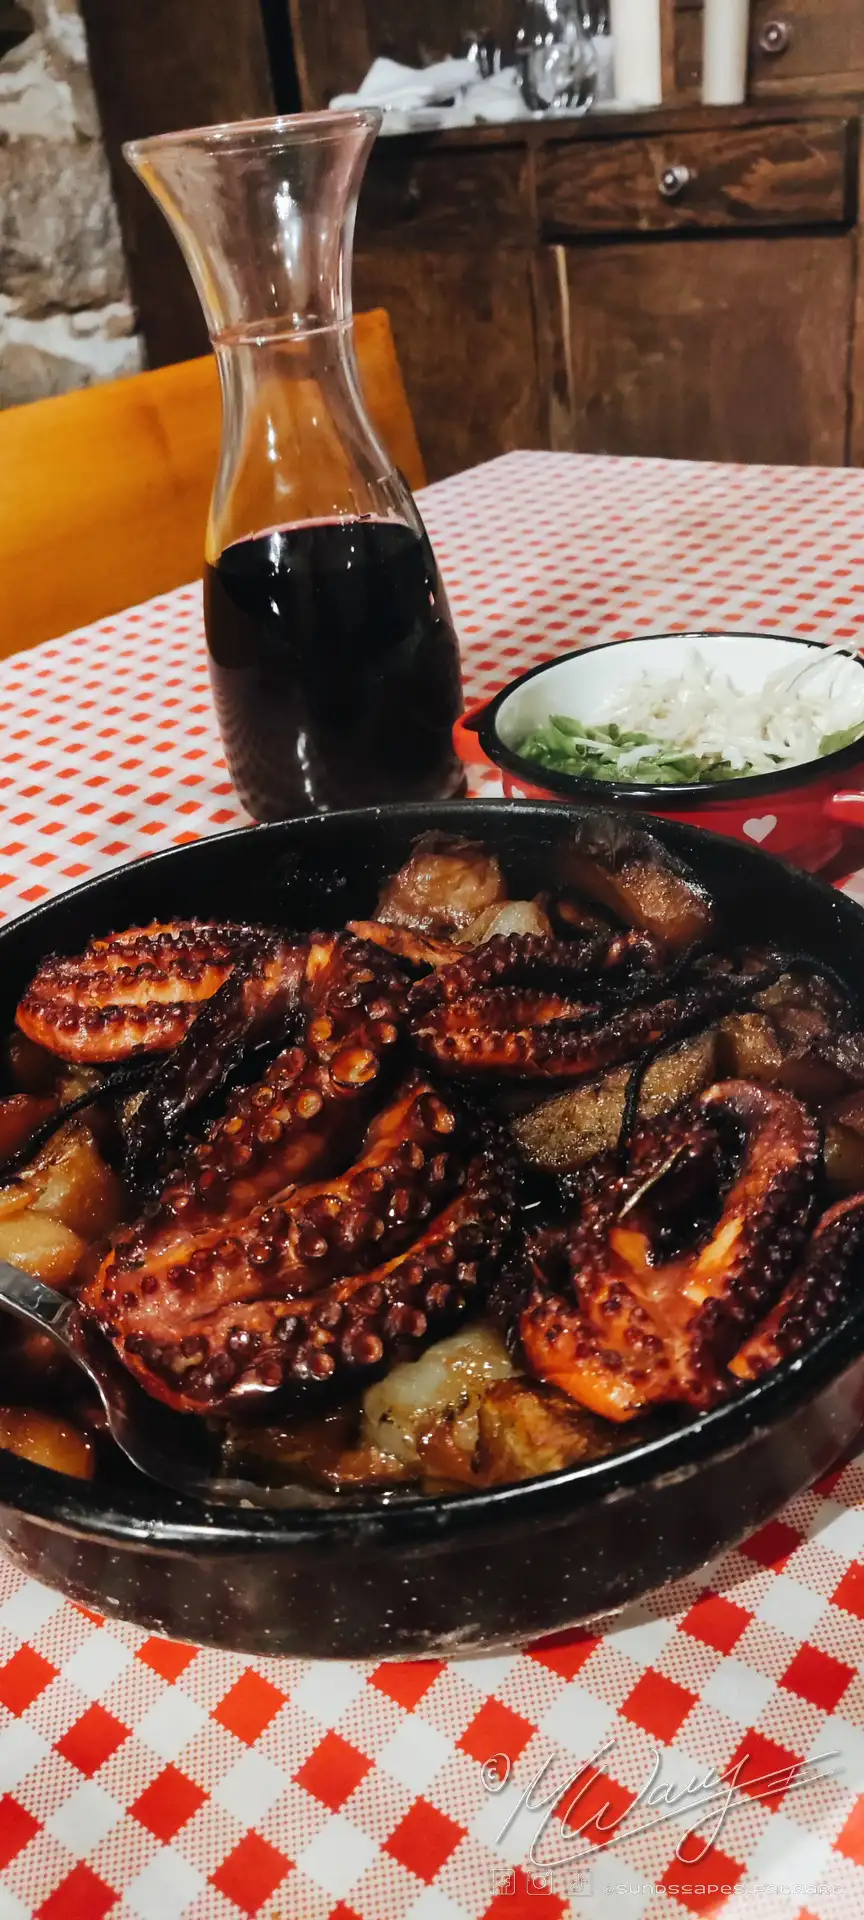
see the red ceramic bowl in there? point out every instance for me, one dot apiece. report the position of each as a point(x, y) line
point(798, 813)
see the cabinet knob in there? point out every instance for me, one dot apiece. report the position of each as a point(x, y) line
point(673, 181)
point(775, 37)
point(412, 197)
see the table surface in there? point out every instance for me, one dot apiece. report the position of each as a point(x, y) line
point(140, 1777)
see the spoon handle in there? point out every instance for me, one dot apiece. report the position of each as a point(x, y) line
point(29, 1299)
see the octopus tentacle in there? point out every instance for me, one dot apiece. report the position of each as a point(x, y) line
point(292, 1122)
point(159, 1277)
point(312, 1100)
point(509, 1009)
point(829, 1275)
point(255, 1004)
point(134, 992)
point(630, 1331)
point(528, 959)
point(416, 949)
point(348, 1331)
point(564, 1050)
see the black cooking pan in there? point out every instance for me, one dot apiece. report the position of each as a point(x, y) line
point(468, 1571)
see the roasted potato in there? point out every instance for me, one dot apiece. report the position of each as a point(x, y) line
point(47, 1441)
point(628, 870)
point(443, 887)
point(68, 1198)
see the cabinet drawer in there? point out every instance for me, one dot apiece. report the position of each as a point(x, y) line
point(739, 177)
point(441, 199)
point(793, 42)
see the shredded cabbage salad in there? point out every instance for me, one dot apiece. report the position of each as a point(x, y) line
point(696, 726)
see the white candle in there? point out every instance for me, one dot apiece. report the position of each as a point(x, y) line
point(638, 64)
point(724, 55)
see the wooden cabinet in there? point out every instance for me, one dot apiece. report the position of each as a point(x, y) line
point(679, 284)
point(796, 46)
point(702, 352)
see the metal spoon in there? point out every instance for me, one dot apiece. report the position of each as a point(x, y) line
point(176, 1449)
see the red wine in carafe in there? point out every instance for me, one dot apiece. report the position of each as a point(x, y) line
point(335, 667)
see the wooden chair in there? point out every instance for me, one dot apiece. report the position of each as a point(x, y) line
point(104, 493)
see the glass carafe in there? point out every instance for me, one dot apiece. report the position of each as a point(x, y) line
point(333, 660)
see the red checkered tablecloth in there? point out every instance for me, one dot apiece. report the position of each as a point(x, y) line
point(143, 1778)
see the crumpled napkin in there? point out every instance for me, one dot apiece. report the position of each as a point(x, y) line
point(389, 84)
point(412, 97)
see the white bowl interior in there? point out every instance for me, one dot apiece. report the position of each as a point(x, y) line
point(585, 686)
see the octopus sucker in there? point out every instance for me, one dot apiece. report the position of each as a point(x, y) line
point(632, 1329)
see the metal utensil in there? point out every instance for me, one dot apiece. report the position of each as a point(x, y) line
point(176, 1449)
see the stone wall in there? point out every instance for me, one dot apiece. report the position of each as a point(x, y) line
point(66, 319)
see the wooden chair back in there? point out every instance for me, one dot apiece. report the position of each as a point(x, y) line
point(104, 493)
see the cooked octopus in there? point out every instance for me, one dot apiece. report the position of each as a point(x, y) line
point(326, 1277)
point(625, 1328)
point(338, 1162)
point(134, 992)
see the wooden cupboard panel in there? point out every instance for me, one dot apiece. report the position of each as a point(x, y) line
point(332, 47)
point(441, 199)
point(466, 334)
point(735, 177)
point(712, 350)
point(152, 78)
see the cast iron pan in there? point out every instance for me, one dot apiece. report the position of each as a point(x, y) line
point(465, 1572)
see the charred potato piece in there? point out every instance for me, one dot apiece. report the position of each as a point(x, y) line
point(443, 887)
point(75, 1185)
point(844, 1145)
point(65, 1200)
point(567, 1132)
point(41, 1246)
point(530, 1429)
point(624, 868)
point(817, 1066)
point(47, 1441)
point(519, 1429)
